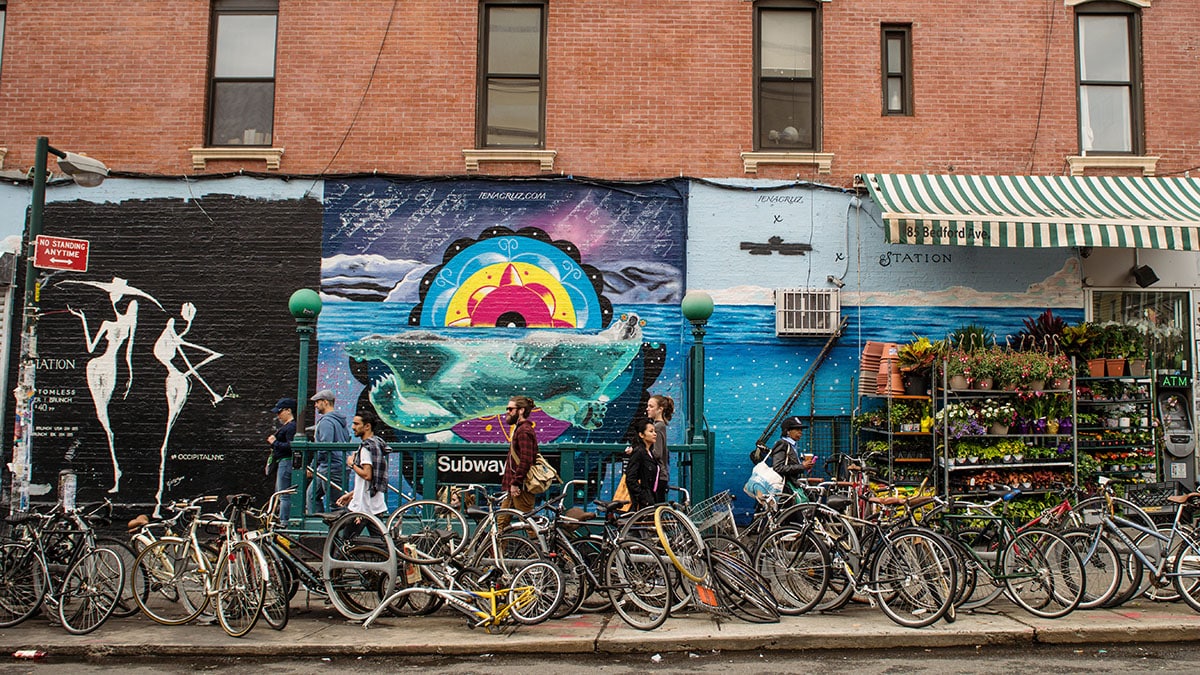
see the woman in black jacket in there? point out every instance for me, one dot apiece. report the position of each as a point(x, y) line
point(641, 471)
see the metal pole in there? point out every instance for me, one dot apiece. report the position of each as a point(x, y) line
point(26, 388)
point(304, 329)
point(701, 485)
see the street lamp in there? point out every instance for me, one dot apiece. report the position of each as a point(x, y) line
point(87, 172)
point(697, 308)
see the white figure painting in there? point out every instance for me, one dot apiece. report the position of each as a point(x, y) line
point(102, 370)
point(170, 344)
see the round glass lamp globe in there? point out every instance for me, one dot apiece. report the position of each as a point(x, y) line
point(697, 306)
point(305, 304)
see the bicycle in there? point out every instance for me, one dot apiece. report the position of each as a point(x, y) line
point(183, 580)
point(79, 580)
point(1036, 568)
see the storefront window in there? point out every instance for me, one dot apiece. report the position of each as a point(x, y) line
point(1162, 316)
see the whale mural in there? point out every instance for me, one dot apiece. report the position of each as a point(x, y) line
point(433, 382)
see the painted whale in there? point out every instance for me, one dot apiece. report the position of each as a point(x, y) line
point(434, 382)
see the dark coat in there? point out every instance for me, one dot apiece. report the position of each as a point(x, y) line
point(640, 472)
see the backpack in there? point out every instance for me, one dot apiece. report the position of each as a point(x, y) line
point(540, 476)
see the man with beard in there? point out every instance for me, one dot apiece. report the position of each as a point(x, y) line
point(522, 454)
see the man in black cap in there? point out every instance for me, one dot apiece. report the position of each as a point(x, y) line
point(281, 452)
point(785, 459)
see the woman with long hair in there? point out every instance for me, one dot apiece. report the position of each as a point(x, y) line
point(641, 471)
point(660, 409)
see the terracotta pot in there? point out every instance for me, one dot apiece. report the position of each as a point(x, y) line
point(1096, 367)
point(1037, 385)
point(958, 381)
point(1114, 367)
point(1060, 384)
point(999, 429)
point(982, 383)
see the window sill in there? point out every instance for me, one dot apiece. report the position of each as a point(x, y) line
point(544, 158)
point(1082, 163)
point(822, 160)
point(200, 156)
point(1136, 3)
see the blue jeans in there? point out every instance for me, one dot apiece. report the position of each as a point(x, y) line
point(283, 481)
point(329, 462)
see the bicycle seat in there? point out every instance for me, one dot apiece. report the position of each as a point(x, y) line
point(241, 501)
point(330, 518)
point(1183, 499)
point(611, 505)
point(838, 503)
point(576, 513)
point(477, 514)
point(138, 523)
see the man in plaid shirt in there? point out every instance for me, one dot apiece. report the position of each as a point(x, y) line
point(522, 453)
point(369, 464)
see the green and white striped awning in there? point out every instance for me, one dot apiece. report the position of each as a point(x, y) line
point(1039, 211)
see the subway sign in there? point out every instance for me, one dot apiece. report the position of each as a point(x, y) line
point(485, 468)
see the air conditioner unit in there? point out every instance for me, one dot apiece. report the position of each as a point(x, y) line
point(807, 311)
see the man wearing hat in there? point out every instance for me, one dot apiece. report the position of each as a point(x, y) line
point(281, 452)
point(330, 428)
point(785, 459)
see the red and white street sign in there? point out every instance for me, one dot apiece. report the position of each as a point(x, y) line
point(60, 253)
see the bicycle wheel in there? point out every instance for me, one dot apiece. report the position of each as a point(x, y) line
point(175, 583)
point(729, 546)
point(427, 531)
point(681, 542)
point(1160, 589)
point(592, 549)
point(90, 591)
point(639, 585)
point(914, 577)
point(1043, 573)
point(981, 564)
point(510, 553)
point(356, 591)
point(745, 593)
point(241, 586)
point(1101, 566)
point(795, 565)
point(126, 606)
point(22, 583)
point(577, 585)
point(538, 590)
point(1185, 571)
point(276, 600)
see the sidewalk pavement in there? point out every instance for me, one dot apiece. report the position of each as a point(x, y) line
point(317, 630)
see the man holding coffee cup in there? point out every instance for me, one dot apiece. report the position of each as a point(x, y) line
point(785, 459)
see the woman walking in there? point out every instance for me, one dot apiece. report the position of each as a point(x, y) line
point(660, 409)
point(641, 471)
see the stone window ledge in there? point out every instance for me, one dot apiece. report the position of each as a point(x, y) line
point(200, 156)
point(1135, 3)
point(822, 160)
point(1081, 163)
point(544, 158)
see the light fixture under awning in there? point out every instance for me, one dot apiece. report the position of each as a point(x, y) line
point(1039, 211)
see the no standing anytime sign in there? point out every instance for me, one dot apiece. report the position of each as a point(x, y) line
point(60, 253)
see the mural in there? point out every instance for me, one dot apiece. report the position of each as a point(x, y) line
point(562, 291)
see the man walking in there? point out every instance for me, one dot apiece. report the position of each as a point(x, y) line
point(369, 464)
point(281, 452)
point(330, 428)
point(522, 453)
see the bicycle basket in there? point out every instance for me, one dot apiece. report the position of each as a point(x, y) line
point(1152, 497)
point(709, 513)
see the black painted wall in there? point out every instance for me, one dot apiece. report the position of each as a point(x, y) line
point(237, 260)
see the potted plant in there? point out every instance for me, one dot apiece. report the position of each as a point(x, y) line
point(1044, 333)
point(1036, 370)
point(958, 369)
point(1060, 372)
point(1009, 370)
point(1116, 344)
point(1084, 343)
point(1136, 339)
point(916, 361)
point(983, 368)
point(997, 415)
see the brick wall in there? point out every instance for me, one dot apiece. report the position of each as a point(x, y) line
point(636, 89)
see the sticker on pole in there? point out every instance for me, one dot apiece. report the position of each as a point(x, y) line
point(60, 253)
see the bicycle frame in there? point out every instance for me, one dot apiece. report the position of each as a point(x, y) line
point(449, 589)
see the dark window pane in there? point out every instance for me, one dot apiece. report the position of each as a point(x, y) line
point(245, 46)
point(785, 115)
point(514, 40)
point(242, 113)
point(513, 112)
point(2, 13)
point(786, 43)
point(1104, 48)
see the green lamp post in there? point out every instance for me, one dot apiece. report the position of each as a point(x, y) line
point(697, 307)
point(305, 306)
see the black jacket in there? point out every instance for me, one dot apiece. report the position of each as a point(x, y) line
point(640, 472)
point(785, 461)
